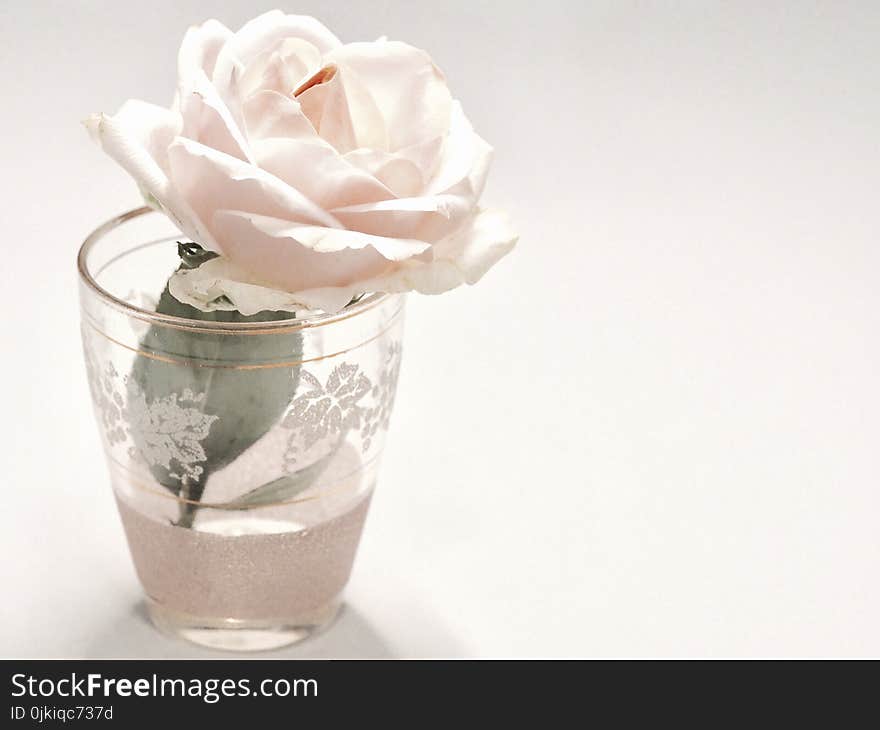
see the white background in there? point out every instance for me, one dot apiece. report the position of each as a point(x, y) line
point(652, 430)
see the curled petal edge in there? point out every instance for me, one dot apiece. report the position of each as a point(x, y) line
point(463, 258)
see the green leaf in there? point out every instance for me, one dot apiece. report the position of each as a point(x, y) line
point(246, 402)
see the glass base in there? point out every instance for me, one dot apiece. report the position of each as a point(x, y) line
point(229, 634)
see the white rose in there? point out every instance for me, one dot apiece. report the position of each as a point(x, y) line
point(316, 169)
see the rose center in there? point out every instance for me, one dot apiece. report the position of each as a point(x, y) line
point(321, 76)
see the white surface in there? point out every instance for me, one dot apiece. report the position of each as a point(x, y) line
point(653, 430)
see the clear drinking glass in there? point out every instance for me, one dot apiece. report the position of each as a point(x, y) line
point(242, 455)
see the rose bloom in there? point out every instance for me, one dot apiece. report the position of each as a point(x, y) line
point(318, 171)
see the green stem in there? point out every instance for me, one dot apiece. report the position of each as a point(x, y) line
point(190, 494)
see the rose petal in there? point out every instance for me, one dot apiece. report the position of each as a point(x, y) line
point(294, 257)
point(406, 86)
point(282, 68)
point(455, 189)
point(262, 34)
point(207, 120)
point(219, 285)
point(466, 159)
point(138, 128)
point(208, 180)
point(269, 114)
point(332, 240)
point(200, 47)
point(399, 174)
point(425, 218)
point(317, 170)
point(343, 112)
point(137, 138)
point(470, 252)
point(461, 259)
point(424, 155)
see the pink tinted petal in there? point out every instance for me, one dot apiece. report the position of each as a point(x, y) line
point(281, 69)
point(270, 248)
point(466, 159)
point(424, 155)
point(401, 175)
point(332, 240)
point(200, 47)
point(316, 169)
point(406, 86)
point(209, 180)
point(427, 219)
point(270, 114)
point(207, 120)
point(460, 259)
point(129, 147)
point(149, 126)
point(343, 111)
point(312, 96)
point(136, 138)
point(262, 34)
point(474, 249)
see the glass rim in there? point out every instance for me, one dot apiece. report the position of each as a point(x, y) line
point(367, 302)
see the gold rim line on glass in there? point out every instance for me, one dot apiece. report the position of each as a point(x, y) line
point(368, 302)
point(324, 489)
point(87, 319)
